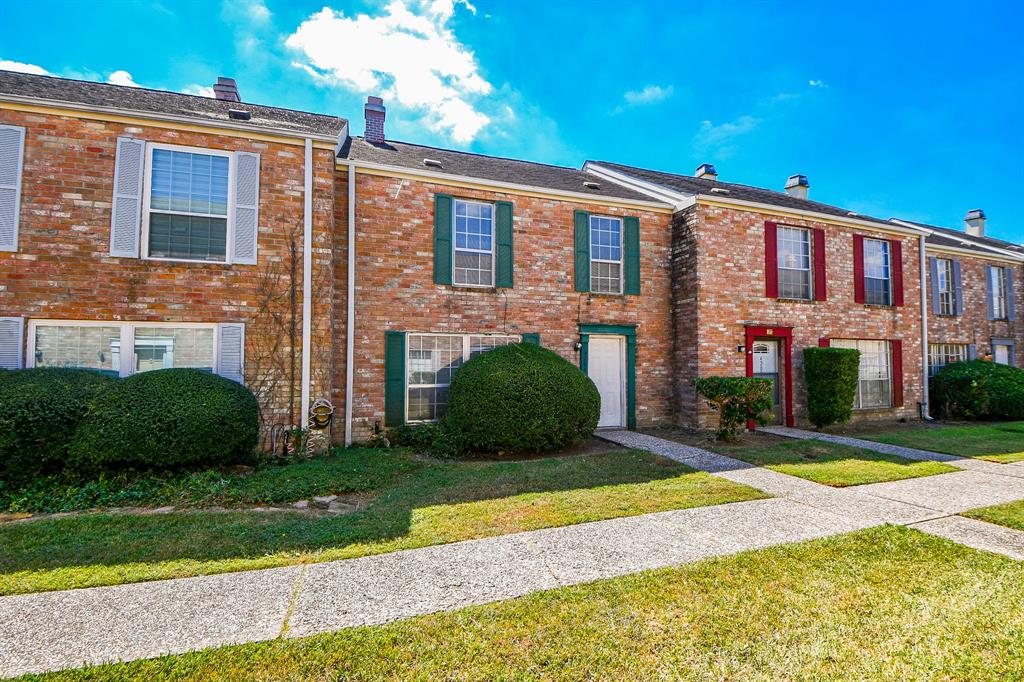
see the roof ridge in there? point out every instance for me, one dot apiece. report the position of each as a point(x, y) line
point(477, 154)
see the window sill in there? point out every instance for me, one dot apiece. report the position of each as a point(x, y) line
point(187, 261)
point(797, 300)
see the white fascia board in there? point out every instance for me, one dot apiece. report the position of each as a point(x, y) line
point(965, 240)
point(678, 200)
point(443, 178)
point(971, 253)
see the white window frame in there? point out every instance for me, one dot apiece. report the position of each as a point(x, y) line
point(888, 266)
point(126, 365)
point(147, 182)
point(942, 354)
point(467, 345)
point(810, 261)
point(997, 289)
point(840, 343)
point(494, 237)
point(622, 253)
point(947, 294)
point(1009, 354)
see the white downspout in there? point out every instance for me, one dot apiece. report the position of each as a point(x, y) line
point(350, 297)
point(924, 330)
point(307, 279)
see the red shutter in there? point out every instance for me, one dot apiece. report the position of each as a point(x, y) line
point(820, 286)
point(771, 260)
point(897, 373)
point(897, 271)
point(858, 268)
point(823, 342)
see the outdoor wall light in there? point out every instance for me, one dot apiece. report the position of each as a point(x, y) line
point(578, 346)
point(741, 348)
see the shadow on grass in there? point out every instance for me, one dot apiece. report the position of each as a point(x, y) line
point(430, 492)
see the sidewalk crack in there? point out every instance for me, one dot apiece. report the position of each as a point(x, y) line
point(292, 601)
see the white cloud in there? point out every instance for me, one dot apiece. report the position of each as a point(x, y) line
point(122, 77)
point(201, 90)
point(817, 83)
point(720, 139)
point(21, 67)
point(409, 55)
point(251, 11)
point(651, 94)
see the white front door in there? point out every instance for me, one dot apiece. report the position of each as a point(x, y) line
point(606, 365)
point(1002, 354)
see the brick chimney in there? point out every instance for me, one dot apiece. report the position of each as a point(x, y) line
point(975, 222)
point(375, 113)
point(706, 171)
point(797, 186)
point(226, 90)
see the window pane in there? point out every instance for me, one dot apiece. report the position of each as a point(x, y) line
point(474, 243)
point(605, 238)
point(189, 182)
point(874, 387)
point(427, 404)
point(472, 268)
point(482, 344)
point(605, 278)
point(947, 288)
point(166, 347)
point(86, 347)
point(876, 291)
point(192, 237)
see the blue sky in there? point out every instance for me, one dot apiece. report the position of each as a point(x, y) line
point(890, 109)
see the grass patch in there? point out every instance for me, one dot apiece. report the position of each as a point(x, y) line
point(413, 503)
point(830, 463)
point(881, 604)
point(1003, 442)
point(1010, 515)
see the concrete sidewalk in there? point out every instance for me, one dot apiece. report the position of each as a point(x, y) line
point(54, 630)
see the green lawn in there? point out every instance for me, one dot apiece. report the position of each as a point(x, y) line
point(830, 463)
point(1010, 515)
point(1003, 442)
point(412, 502)
point(882, 604)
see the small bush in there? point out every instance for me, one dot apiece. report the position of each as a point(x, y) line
point(737, 401)
point(167, 419)
point(417, 436)
point(518, 398)
point(979, 389)
point(830, 375)
point(39, 412)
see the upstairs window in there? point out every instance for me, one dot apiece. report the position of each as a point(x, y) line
point(877, 272)
point(186, 204)
point(947, 289)
point(997, 293)
point(474, 243)
point(794, 263)
point(605, 255)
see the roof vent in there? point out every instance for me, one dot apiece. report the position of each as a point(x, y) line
point(239, 114)
point(706, 171)
point(975, 220)
point(852, 214)
point(589, 184)
point(226, 90)
point(434, 163)
point(797, 186)
point(720, 190)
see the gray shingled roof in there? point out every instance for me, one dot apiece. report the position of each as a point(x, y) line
point(164, 102)
point(961, 240)
point(470, 165)
point(693, 185)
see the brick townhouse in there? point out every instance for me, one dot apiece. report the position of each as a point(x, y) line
point(273, 247)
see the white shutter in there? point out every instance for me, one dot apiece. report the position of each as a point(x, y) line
point(247, 211)
point(231, 351)
point(12, 154)
point(11, 338)
point(126, 214)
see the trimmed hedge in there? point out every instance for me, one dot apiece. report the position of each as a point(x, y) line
point(39, 411)
point(518, 398)
point(979, 389)
point(737, 401)
point(167, 419)
point(830, 375)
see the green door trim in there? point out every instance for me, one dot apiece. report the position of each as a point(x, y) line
point(628, 331)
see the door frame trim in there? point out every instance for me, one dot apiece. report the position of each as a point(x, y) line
point(629, 332)
point(786, 335)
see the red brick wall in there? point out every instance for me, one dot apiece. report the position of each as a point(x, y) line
point(974, 326)
point(62, 269)
point(731, 271)
point(395, 287)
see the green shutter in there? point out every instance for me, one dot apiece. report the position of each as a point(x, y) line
point(582, 261)
point(394, 378)
point(631, 228)
point(503, 242)
point(531, 338)
point(442, 239)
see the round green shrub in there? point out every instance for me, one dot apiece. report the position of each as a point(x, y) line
point(979, 389)
point(830, 375)
point(167, 419)
point(39, 411)
point(518, 398)
point(737, 400)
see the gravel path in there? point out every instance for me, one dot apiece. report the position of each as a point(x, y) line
point(55, 630)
